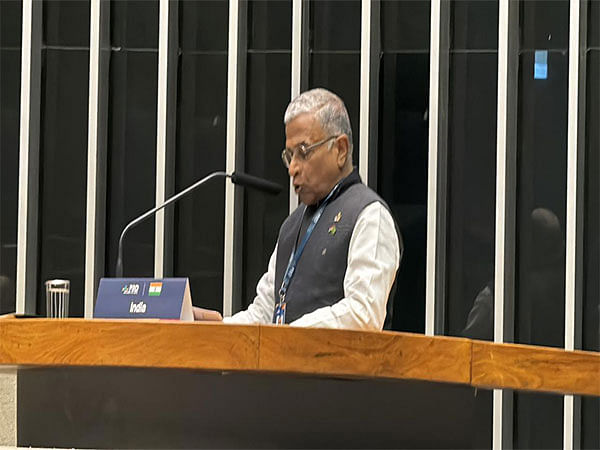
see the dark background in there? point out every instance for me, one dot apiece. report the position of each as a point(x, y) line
point(400, 70)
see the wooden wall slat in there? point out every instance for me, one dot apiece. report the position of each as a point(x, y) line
point(369, 354)
point(131, 343)
point(534, 368)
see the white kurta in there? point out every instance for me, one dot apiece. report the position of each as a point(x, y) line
point(373, 259)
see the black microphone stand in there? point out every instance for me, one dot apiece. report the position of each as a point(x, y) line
point(151, 212)
point(236, 177)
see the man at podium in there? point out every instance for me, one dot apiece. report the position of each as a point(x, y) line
point(337, 254)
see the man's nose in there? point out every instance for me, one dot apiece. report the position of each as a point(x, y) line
point(294, 167)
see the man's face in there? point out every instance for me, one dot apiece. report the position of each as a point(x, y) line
point(316, 175)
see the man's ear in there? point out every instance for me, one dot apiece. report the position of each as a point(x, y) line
point(342, 144)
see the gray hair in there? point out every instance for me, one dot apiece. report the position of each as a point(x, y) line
point(328, 109)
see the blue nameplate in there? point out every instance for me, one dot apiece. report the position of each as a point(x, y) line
point(144, 298)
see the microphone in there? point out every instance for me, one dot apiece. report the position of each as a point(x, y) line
point(240, 178)
point(255, 182)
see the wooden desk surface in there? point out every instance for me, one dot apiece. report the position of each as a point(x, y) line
point(265, 348)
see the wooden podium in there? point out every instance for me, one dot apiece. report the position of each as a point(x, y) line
point(120, 383)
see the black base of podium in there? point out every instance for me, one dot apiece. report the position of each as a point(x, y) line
point(156, 408)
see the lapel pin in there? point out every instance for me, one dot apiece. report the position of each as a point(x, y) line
point(332, 230)
point(337, 217)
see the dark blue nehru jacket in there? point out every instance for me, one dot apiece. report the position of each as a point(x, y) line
point(319, 277)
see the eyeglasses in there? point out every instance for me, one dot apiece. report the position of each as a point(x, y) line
point(301, 151)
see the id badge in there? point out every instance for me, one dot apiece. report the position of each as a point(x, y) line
point(280, 313)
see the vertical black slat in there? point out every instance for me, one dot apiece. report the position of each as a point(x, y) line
point(374, 68)
point(131, 149)
point(305, 47)
point(171, 133)
point(201, 147)
point(268, 78)
point(511, 173)
point(101, 156)
point(240, 157)
point(510, 213)
point(33, 171)
point(581, 168)
point(580, 204)
point(335, 56)
point(442, 171)
point(402, 143)
point(541, 208)
point(63, 146)
point(471, 182)
point(10, 82)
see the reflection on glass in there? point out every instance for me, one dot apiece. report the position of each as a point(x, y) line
point(63, 155)
point(402, 174)
point(402, 146)
point(471, 195)
point(541, 202)
point(540, 254)
point(471, 166)
point(267, 95)
point(131, 171)
point(201, 139)
point(10, 79)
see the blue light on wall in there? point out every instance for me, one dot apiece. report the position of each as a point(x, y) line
point(540, 66)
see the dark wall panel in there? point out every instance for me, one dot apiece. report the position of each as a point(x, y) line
point(201, 141)
point(474, 25)
point(134, 24)
point(268, 90)
point(335, 25)
point(538, 421)
point(131, 168)
point(63, 174)
point(334, 48)
point(131, 155)
point(541, 205)
point(402, 145)
point(10, 91)
point(544, 24)
point(404, 25)
point(340, 73)
point(402, 174)
point(471, 195)
point(66, 23)
point(200, 218)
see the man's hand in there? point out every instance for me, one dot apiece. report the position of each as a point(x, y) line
point(206, 314)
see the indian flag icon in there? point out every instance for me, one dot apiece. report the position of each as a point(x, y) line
point(155, 289)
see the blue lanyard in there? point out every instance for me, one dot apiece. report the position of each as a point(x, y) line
point(295, 257)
